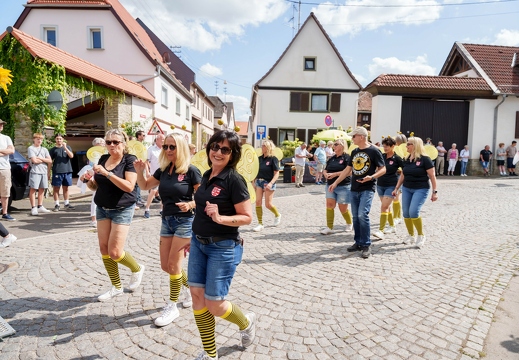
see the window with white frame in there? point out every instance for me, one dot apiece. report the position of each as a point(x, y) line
point(95, 37)
point(164, 97)
point(50, 35)
point(319, 102)
point(187, 112)
point(177, 109)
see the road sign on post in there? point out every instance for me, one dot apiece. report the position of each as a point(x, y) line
point(328, 120)
point(261, 132)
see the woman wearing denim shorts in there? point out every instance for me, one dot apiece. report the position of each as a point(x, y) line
point(265, 183)
point(385, 186)
point(341, 194)
point(222, 206)
point(114, 183)
point(417, 172)
point(177, 181)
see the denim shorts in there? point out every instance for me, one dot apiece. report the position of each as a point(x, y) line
point(179, 226)
point(341, 194)
point(213, 266)
point(121, 216)
point(261, 183)
point(62, 179)
point(385, 191)
point(484, 164)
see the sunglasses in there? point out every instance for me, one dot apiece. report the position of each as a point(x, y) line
point(409, 144)
point(110, 142)
point(224, 150)
point(337, 144)
point(171, 147)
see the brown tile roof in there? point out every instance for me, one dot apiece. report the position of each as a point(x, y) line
point(429, 82)
point(365, 99)
point(79, 67)
point(244, 130)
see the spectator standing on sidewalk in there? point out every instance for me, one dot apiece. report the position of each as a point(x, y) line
point(417, 172)
point(61, 171)
point(453, 157)
point(7, 238)
point(501, 158)
point(485, 156)
point(465, 156)
point(6, 148)
point(440, 160)
point(222, 206)
point(329, 150)
point(300, 156)
point(366, 165)
point(177, 181)
point(153, 164)
point(38, 177)
point(265, 183)
point(342, 193)
point(320, 158)
point(510, 154)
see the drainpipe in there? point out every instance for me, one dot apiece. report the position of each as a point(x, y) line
point(151, 77)
point(494, 135)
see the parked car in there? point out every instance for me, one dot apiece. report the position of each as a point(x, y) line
point(20, 169)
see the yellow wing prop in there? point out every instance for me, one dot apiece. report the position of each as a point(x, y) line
point(401, 150)
point(352, 147)
point(137, 148)
point(95, 152)
point(200, 161)
point(431, 151)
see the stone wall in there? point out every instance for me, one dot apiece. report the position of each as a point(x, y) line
point(22, 134)
point(118, 112)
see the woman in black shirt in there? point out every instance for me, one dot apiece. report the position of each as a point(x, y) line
point(265, 183)
point(414, 180)
point(222, 206)
point(177, 181)
point(385, 186)
point(114, 179)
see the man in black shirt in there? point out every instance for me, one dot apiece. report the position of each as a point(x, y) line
point(485, 156)
point(61, 170)
point(365, 165)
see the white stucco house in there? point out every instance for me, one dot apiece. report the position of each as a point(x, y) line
point(309, 81)
point(203, 113)
point(474, 101)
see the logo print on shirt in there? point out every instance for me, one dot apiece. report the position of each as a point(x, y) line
point(418, 163)
point(181, 177)
point(341, 161)
point(267, 163)
point(391, 162)
point(361, 163)
point(216, 191)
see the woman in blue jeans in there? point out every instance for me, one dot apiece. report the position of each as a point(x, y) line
point(417, 172)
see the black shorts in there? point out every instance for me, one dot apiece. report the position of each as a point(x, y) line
point(510, 163)
point(500, 162)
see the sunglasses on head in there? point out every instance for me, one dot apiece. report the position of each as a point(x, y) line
point(224, 149)
point(171, 147)
point(110, 142)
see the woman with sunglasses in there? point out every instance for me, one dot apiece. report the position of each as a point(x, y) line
point(385, 186)
point(222, 206)
point(177, 181)
point(114, 182)
point(265, 183)
point(341, 194)
point(417, 172)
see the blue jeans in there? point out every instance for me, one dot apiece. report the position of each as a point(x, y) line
point(412, 201)
point(464, 166)
point(360, 207)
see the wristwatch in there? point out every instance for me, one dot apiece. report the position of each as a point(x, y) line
point(435, 191)
point(109, 175)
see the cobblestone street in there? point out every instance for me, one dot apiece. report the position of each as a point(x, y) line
point(314, 300)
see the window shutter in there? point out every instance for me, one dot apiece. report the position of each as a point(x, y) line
point(273, 135)
point(311, 133)
point(295, 101)
point(305, 102)
point(301, 134)
point(335, 106)
point(517, 124)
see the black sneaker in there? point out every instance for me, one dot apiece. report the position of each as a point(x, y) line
point(155, 201)
point(297, 185)
point(353, 248)
point(301, 185)
point(366, 252)
point(69, 207)
point(56, 208)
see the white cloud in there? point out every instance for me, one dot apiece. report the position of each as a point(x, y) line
point(211, 70)
point(202, 24)
point(341, 20)
point(241, 106)
point(360, 78)
point(393, 65)
point(507, 38)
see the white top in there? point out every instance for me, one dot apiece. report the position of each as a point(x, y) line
point(329, 152)
point(464, 154)
point(153, 158)
point(298, 160)
point(5, 141)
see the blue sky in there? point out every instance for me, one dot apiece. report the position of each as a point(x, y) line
point(237, 41)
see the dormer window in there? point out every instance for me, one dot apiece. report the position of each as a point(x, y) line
point(50, 35)
point(310, 64)
point(95, 37)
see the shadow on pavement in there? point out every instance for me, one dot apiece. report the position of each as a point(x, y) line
point(511, 345)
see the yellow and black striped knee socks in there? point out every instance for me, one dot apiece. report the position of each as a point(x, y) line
point(184, 278)
point(383, 221)
point(397, 209)
point(329, 217)
point(418, 225)
point(206, 327)
point(236, 316)
point(259, 214)
point(113, 271)
point(409, 226)
point(347, 217)
point(175, 283)
point(274, 211)
point(127, 260)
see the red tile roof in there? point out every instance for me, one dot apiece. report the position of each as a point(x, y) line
point(79, 67)
point(429, 82)
point(244, 130)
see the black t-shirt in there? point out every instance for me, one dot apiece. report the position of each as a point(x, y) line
point(364, 162)
point(390, 178)
point(108, 195)
point(177, 188)
point(225, 189)
point(60, 161)
point(267, 166)
point(337, 164)
point(486, 154)
point(415, 173)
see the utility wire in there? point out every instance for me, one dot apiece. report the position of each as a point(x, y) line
point(399, 5)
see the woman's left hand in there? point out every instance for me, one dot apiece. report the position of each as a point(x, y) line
point(434, 197)
point(268, 186)
point(212, 211)
point(183, 206)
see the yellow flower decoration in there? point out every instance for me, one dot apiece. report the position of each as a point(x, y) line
point(5, 79)
point(184, 127)
point(109, 123)
point(172, 127)
point(411, 134)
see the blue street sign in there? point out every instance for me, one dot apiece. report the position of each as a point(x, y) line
point(261, 132)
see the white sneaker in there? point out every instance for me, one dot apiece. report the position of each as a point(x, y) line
point(379, 234)
point(203, 356)
point(136, 279)
point(34, 211)
point(188, 301)
point(258, 228)
point(397, 221)
point(248, 334)
point(349, 227)
point(277, 220)
point(389, 230)
point(420, 241)
point(326, 231)
point(113, 292)
point(8, 240)
point(408, 240)
point(169, 313)
point(43, 210)
point(93, 224)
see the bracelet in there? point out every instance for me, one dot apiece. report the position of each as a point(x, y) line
point(109, 175)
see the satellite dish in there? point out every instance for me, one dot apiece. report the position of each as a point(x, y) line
point(55, 99)
point(165, 58)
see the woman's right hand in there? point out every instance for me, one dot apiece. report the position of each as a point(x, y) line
point(394, 193)
point(139, 165)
